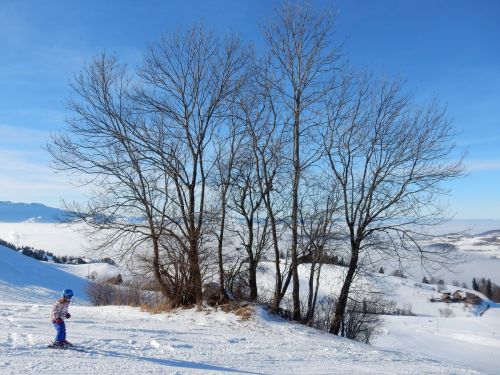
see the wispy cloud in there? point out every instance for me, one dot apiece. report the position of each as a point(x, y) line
point(17, 135)
point(24, 161)
point(482, 165)
point(29, 140)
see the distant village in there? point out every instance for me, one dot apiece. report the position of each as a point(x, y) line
point(458, 296)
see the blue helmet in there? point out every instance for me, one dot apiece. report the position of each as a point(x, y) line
point(67, 293)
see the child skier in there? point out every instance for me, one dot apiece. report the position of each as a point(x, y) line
point(58, 314)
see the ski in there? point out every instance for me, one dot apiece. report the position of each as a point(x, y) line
point(67, 347)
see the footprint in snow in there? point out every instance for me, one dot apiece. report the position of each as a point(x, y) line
point(236, 340)
point(11, 339)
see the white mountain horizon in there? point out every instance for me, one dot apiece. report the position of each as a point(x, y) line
point(16, 212)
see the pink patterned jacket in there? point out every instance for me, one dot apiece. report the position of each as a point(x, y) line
point(60, 309)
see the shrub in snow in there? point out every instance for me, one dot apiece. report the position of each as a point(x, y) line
point(398, 273)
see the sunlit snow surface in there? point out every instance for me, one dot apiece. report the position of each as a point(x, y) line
point(125, 340)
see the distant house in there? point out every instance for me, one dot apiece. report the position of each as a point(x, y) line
point(446, 296)
point(472, 299)
point(459, 296)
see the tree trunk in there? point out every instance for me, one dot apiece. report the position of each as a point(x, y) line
point(196, 294)
point(295, 208)
point(315, 298)
point(156, 269)
point(308, 316)
point(252, 278)
point(344, 293)
point(222, 289)
point(277, 290)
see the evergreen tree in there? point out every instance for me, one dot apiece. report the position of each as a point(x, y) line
point(475, 286)
point(489, 289)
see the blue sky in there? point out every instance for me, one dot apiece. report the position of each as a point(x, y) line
point(448, 50)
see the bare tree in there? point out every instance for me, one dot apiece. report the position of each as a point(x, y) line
point(389, 158)
point(267, 136)
point(304, 59)
point(228, 148)
point(148, 147)
point(189, 80)
point(255, 114)
point(103, 147)
point(317, 216)
point(247, 203)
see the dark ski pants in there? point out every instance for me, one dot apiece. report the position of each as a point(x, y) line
point(61, 331)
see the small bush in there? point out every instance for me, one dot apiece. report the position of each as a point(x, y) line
point(115, 280)
point(159, 306)
point(211, 293)
point(243, 310)
point(100, 293)
point(361, 321)
point(103, 293)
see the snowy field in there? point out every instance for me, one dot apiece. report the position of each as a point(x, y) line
point(124, 340)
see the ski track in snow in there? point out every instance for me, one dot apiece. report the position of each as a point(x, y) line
point(123, 340)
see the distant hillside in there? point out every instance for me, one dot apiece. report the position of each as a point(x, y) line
point(486, 243)
point(30, 212)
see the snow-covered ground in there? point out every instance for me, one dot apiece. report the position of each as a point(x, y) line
point(465, 336)
point(125, 340)
point(25, 279)
point(98, 271)
point(484, 243)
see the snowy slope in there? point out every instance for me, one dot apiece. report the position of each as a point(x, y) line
point(24, 279)
point(99, 270)
point(124, 340)
point(465, 337)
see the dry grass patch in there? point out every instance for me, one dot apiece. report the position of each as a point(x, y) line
point(245, 312)
point(157, 308)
